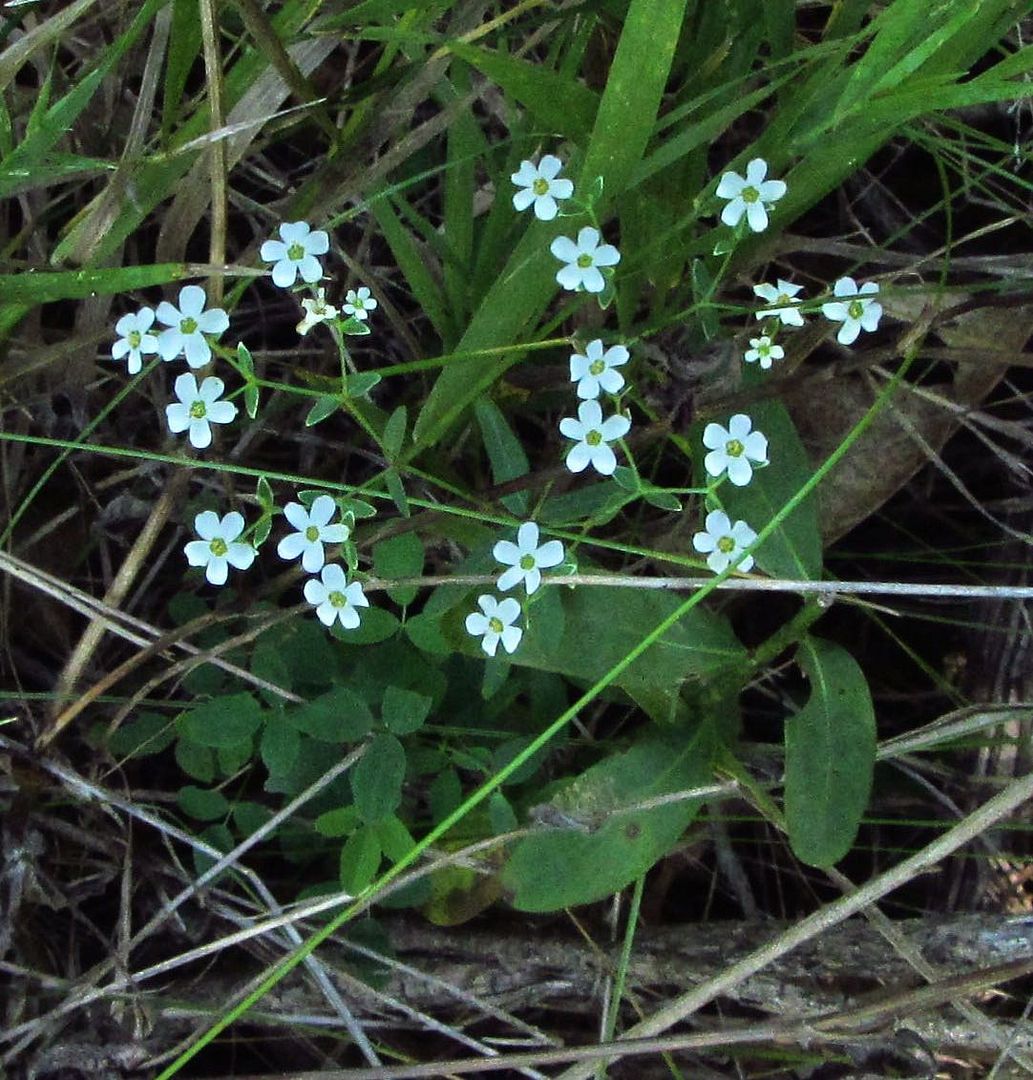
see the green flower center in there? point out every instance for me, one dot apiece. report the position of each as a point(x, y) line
point(312, 533)
point(734, 448)
point(495, 625)
point(763, 349)
point(784, 298)
point(597, 367)
point(188, 325)
point(526, 562)
point(296, 252)
point(594, 438)
point(218, 547)
point(855, 309)
point(198, 411)
point(750, 194)
point(584, 260)
point(726, 545)
point(134, 338)
point(359, 304)
point(540, 187)
point(338, 599)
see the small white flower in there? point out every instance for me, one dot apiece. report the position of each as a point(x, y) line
point(295, 253)
point(316, 311)
point(198, 407)
point(541, 187)
point(187, 326)
point(595, 370)
point(723, 542)
point(749, 196)
point(333, 598)
point(583, 258)
point(857, 314)
point(736, 449)
point(133, 339)
point(219, 546)
point(526, 559)
point(764, 350)
point(495, 624)
point(593, 434)
point(781, 294)
point(314, 530)
point(359, 304)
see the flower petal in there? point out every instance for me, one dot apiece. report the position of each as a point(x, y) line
point(196, 350)
point(508, 578)
point(550, 554)
point(733, 212)
point(715, 436)
point(579, 457)
point(240, 556)
point(200, 433)
point(739, 426)
point(561, 189)
point(549, 166)
point(284, 273)
point(606, 255)
point(527, 537)
point(564, 248)
point(757, 217)
point(214, 322)
point(291, 546)
point(571, 428)
point(545, 208)
point(315, 591)
point(310, 269)
point(207, 525)
point(511, 638)
point(730, 186)
point(192, 300)
point(170, 343)
point(272, 251)
point(740, 471)
point(569, 277)
point(593, 281)
point(221, 412)
point(323, 509)
point(604, 460)
point(615, 427)
point(197, 552)
point(523, 198)
point(703, 542)
point(312, 558)
point(297, 515)
point(178, 417)
point(217, 570)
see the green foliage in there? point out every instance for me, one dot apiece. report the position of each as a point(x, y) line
point(377, 778)
point(338, 716)
point(399, 557)
point(223, 722)
point(404, 711)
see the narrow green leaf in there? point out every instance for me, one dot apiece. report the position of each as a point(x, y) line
point(505, 452)
point(394, 432)
point(264, 495)
point(393, 483)
point(325, 405)
point(377, 778)
point(245, 360)
point(44, 287)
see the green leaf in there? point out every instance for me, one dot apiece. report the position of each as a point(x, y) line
point(251, 400)
point(377, 624)
point(505, 452)
point(662, 500)
point(399, 557)
point(325, 405)
point(145, 734)
point(279, 745)
point(340, 822)
point(444, 795)
point(231, 759)
point(223, 721)
point(360, 384)
point(394, 431)
point(196, 761)
point(393, 483)
point(830, 755)
point(249, 817)
point(44, 287)
point(204, 804)
point(377, 778)
point(404, 711)
point(395, 839)
point(246, 361)
point(360, 859)
point(338, 716)
point(607, 845)
point(264, 495)
point(500, 814)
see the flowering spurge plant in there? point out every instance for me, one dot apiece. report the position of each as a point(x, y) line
point(313, 531)
point(855, 309)
point(592, 437)
point(198, 408)
point(762, 350)
point(334, 599)
point(595, 370)
point(723, 543)
point(526, 558)
point(295, 253)
point(494, 623)
point(316, 311)
point(187, 326)
point(541, 187)
point(583, 257)
point(784, 295)
point(359, 303)
point(219, 546)
point(751, 196)
point(734, 450)
point(134, 340)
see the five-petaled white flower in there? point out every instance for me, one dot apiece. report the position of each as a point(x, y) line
point(764, 350)
point(314, 530)
point(187, 326)
point(595, 370)
point(583, 258)
point(133, 339)
point(541, 187)
point(359, 304)
point(749, 196)
point(316, 311)
point(781, 294)
point(857, 311)
point(198, 408)
point(723, 542)
point(295, 253)
point(593, 434)
point(526, 559)
point(219, 546)
point(333, 598)
point(734, 448)
point(495, 624)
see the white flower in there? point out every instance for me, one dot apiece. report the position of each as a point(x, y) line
point(594, 371)
point(295, 253)
point(187, 326)
point(749, 196)
point(333, 598)
point(541, 187)
point(583, 259)
point(860, 313)
point(722, 542)
point(314, 530)
point(133, 339)
point(495, 624)
point(198, 407)
point(359, 304)
point(782, 294)
point(734, 449)
point(219, 546)
point(526, 559)
point(592, 434)
point(316, 311)
point(764, 350)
